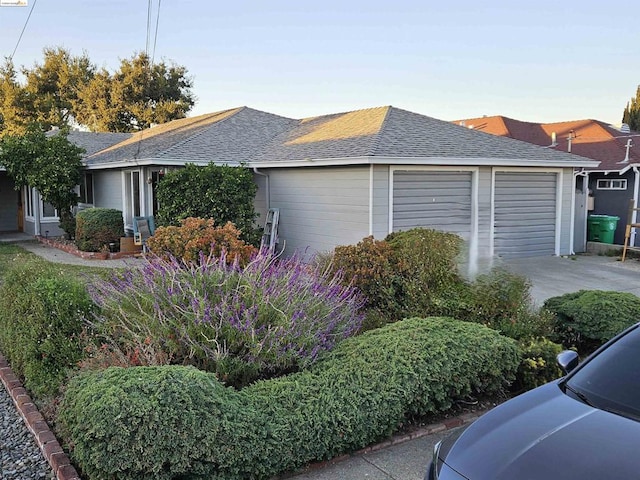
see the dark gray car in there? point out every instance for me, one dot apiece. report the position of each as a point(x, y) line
point(582, 426)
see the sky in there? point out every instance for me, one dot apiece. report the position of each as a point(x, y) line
point(538, 61)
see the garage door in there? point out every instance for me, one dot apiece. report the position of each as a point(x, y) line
point(438, 200)
point(525, 214)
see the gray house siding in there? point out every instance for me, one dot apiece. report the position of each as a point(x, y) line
point(9, 201)
point(320, 208)
point(380, 201)
point(107, 189)
point(614, 202)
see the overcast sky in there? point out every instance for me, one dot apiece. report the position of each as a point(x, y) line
point(536, 61)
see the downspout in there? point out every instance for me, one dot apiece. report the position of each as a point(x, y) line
point(268, 186)
point(636, 192)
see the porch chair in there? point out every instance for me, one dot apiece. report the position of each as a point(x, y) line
point(143, 228)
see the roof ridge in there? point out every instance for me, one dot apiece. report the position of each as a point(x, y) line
point(204, 130)
point(378, 136)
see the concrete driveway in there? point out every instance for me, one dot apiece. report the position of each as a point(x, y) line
point(552, 276)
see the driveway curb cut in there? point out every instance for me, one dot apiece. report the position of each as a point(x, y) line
point(33, 419)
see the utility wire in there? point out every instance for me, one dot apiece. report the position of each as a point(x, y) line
point(23, 29)
point(155, 38)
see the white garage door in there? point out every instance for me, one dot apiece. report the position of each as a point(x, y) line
point(525, 214)
point(438, 200)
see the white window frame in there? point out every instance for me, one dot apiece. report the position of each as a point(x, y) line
point(611, 184)
point(128, 207)
point(83, 186)
point(33, 199)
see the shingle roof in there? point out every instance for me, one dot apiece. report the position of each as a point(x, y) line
point(590, 138)
point(93, 142)
point(244, 134)
point(393, 132)
point(226, 136)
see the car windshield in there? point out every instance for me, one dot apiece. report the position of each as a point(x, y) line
point(611, 380)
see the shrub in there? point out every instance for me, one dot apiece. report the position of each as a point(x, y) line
point(588, 318)
point(97, 227)
point(502, 300)
point(41, 321)
point(177, 422)
point(370, 266)
point(538, 365)
point(224, 193)
point(270, 317)
point(426, 262)
point(198, 235)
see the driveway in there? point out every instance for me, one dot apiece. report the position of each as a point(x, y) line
point(552, 276)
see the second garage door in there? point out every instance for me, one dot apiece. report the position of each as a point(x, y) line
point(525, 214)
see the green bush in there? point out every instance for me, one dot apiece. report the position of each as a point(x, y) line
point(370, 266)
point(178, 422)
point(426, 261)
point(502, 300)
point(588, 318)
point(41, 320)
point(538, 365)
point(97, 227)
point(223, 193)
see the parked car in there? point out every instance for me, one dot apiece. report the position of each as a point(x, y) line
point(585, 425)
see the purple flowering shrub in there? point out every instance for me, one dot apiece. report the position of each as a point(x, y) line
point(271, 317)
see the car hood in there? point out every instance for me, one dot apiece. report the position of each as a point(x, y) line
point(545, 434)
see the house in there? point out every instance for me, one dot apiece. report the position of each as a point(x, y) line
point(25, 211)
point(611, 185)
point(341, 177)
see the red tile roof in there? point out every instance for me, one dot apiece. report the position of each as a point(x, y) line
point(590, 138)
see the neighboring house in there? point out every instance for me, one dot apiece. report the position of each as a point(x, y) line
point(339, 178)
point(611, 185)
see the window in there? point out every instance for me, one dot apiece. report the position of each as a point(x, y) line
point(47, 210)
point(28, 202)
point(86, 188)
point(610, 184)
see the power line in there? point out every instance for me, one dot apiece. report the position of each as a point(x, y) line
point(23, 29)
point(155, 38)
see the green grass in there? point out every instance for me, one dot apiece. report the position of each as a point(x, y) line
point(10, 254)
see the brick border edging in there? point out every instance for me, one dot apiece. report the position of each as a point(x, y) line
point(87, 255)
point(443, 426)
point(33, 419)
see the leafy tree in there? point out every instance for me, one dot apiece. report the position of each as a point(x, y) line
point(631, 115)
point(223, 193)
point(136, 96)
point(51, 164)
point(66, 89)
point(13, 111)
point(52, 87)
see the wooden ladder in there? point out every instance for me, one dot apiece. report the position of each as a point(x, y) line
point(631, 224)
point(270, 235)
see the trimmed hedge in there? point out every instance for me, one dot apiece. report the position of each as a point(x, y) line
point(179, 422)
point(41, 321)
point(97, 227)
point(588, 318)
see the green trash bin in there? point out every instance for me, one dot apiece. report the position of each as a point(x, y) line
point(601, 228)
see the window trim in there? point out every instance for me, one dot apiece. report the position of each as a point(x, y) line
point(609, 184)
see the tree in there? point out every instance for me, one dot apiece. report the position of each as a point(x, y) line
point(631, 115)
point(13, 111)
point(65, 90)
point(52, 87)
point(134, 97)
point(51, 164)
